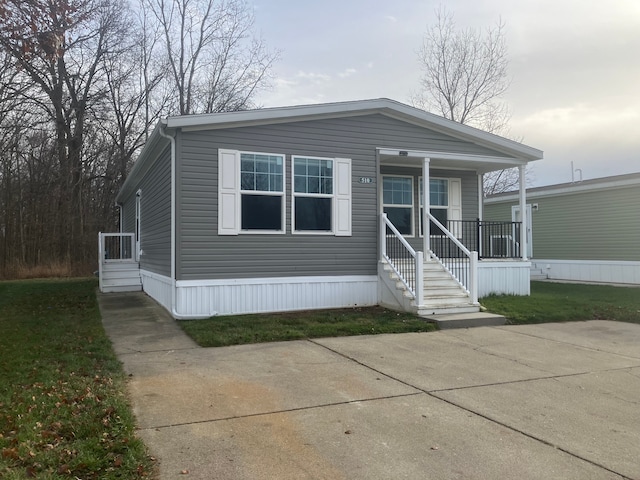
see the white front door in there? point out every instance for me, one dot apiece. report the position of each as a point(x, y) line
point(516, 217)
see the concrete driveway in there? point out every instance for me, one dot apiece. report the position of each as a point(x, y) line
point(554, 401)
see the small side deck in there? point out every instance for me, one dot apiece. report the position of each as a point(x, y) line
point(119, 270)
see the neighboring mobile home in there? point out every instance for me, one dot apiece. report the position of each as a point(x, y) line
point(315, 206)
point(583, 231)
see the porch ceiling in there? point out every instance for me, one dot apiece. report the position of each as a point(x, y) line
point(451, 161)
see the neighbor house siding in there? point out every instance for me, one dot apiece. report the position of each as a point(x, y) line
point(202, 254)
point(155, 206)
point(590, 225)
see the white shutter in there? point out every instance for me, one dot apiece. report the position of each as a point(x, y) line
point(228, 192)
point(342, 207)
point(455, 205)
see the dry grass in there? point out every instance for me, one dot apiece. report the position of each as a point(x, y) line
point(53, 269)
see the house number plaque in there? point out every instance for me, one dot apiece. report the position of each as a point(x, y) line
point(366, 180)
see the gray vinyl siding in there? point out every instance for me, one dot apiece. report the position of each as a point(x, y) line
point(129, 215)
point(202, 254)
point(592, 225)
point(155, 207)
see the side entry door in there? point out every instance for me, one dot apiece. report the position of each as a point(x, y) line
point(516, 217)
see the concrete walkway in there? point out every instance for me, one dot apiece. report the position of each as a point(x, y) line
point(554, 401)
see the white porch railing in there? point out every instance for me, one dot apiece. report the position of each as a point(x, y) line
point(459, 261)
point(405, 262)
point(116, 247)
point(117, 264)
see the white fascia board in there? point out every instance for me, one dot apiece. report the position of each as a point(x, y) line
point(385, 106)
point(564, 189)
point(435, 155)
point(465, 132)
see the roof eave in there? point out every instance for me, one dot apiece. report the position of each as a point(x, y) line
point(359, 107)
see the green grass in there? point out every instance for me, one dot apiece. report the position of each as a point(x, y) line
point(561, 302)
point(242, 329)
point(63, 411)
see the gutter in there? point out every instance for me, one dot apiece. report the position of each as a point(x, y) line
point(174, 312)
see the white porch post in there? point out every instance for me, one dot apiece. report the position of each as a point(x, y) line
point(523, 213)
point(426, 224)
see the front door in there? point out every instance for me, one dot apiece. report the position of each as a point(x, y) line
point(516, 217)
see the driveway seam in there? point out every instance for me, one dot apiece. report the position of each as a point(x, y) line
point(594, 349)
point(287, 410)
point(433, 394)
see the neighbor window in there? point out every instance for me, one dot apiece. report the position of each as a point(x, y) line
point(397, 202)
point(313, 194)
point(261, 191)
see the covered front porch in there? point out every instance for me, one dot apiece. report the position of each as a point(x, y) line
point(437, 254)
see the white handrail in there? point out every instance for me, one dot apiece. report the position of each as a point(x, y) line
point(472, 288)
point(418, 260)
point(399, 235)
point(464, 249)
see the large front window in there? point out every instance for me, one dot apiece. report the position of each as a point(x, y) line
point(261, 192)
point(397, 202)
point(313, 194)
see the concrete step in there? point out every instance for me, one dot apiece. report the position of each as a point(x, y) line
point(451, 290)
point(466, 320)
point(121, 288)
point(428, 311)
point(440, 283)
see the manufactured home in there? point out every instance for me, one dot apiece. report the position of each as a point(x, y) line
point(585, 231)
point(318, 206)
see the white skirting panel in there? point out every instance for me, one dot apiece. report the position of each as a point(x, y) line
point(205, 298)
point(503, 277)
point(257, 295)
point(599, 271)
point(157, 287)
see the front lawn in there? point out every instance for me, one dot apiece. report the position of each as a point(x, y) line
point(241, 329)
point(561, 302)
point(63, 410)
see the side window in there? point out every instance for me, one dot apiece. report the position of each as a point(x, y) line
point(321, 195)
point(251, 189)
point(313, 194)
point(261, 192)
point(397, 202)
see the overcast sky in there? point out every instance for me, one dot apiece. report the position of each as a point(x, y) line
point(574, 64)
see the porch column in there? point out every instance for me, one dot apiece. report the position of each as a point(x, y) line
point(426, 224)
point(523, 213)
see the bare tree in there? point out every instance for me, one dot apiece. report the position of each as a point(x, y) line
point(464, 78)
point(215, 63)
point(61, 47)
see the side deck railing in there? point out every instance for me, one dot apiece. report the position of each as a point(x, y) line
point(491, 239)
point(405, 262)
point(461, 262)
point(114, 248)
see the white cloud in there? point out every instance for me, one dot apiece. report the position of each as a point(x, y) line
point(347, 73)
point(313, 77)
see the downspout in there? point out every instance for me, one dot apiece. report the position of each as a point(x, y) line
point(174, 312)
